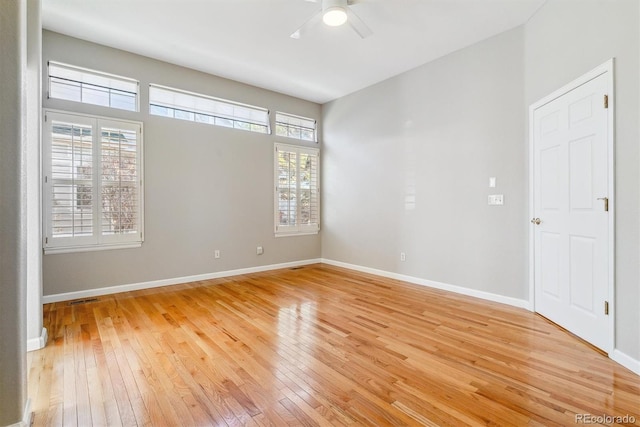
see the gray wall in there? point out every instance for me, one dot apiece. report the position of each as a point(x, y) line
point(406, 162)
point(206, 187)
point(564, 40)
point(406, 167)
point(13, 380)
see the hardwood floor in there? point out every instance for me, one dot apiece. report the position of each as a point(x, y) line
point(317, 345)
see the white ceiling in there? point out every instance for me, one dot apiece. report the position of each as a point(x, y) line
point(248, 40)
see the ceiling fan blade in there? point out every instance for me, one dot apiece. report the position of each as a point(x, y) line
point(358, 24)
point(311, 22)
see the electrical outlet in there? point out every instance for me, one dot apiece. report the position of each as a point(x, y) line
point(496, 200)
point(403, 256)
point(216, 254)
point(259, 250)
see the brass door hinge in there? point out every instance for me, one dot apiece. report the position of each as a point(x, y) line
point(606, 203)
point(606, 308)
point(606, 101)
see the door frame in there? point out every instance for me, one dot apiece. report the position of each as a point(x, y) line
point(608, 69)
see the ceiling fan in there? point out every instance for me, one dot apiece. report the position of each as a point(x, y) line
point(334, 13)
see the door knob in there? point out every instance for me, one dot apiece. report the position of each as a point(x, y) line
point(536, 221)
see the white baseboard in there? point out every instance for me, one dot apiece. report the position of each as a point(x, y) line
point(38, 342)
point(26, 416)
point(625, 360)
point(515, 302)
point(173, 281)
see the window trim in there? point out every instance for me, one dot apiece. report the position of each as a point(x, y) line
point(96, 73)
point(97, 241)
point(235, 119)
point(297, 229)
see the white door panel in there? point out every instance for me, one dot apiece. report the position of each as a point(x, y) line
point(550, 265)
point(570, 174)
point(580, 174)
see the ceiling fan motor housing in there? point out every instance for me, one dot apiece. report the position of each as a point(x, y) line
point(328, 4)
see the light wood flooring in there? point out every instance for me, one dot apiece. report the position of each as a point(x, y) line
point(317, 345)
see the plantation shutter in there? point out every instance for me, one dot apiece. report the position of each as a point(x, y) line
point(297, 197)
point(119, 182)
point(308, 190)
point(71, 203)
point(93, 183)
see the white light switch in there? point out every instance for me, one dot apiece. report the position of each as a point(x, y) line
point(492, 182)
point(496, 199)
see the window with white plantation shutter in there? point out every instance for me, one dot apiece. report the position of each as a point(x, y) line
point(297, 190)
point(296, 127)
point(178, 104)
point(119, 181)
point(92, 183)
point(71, 181)
point(92, 87)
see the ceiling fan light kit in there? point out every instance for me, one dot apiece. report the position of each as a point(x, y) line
point(334, 16)
point(334, 13)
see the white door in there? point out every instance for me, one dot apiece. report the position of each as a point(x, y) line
point(571, 221)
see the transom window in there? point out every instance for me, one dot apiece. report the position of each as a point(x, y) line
point(92, 87)
point(297, 190)
point(296, 127)
point(179, 104)
point(93, 193)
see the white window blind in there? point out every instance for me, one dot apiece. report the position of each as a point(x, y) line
point(297, 127)
point(297, 190)
point(92, 87)
point(179, 104)
point(93, 183)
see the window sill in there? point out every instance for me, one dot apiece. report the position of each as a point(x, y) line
point(92, 248)
point(296, 233)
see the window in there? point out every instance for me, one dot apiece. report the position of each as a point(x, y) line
point(297, 194)
point(178, 104)
point(297, 127)
point(93, 183)
point(92, 87)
